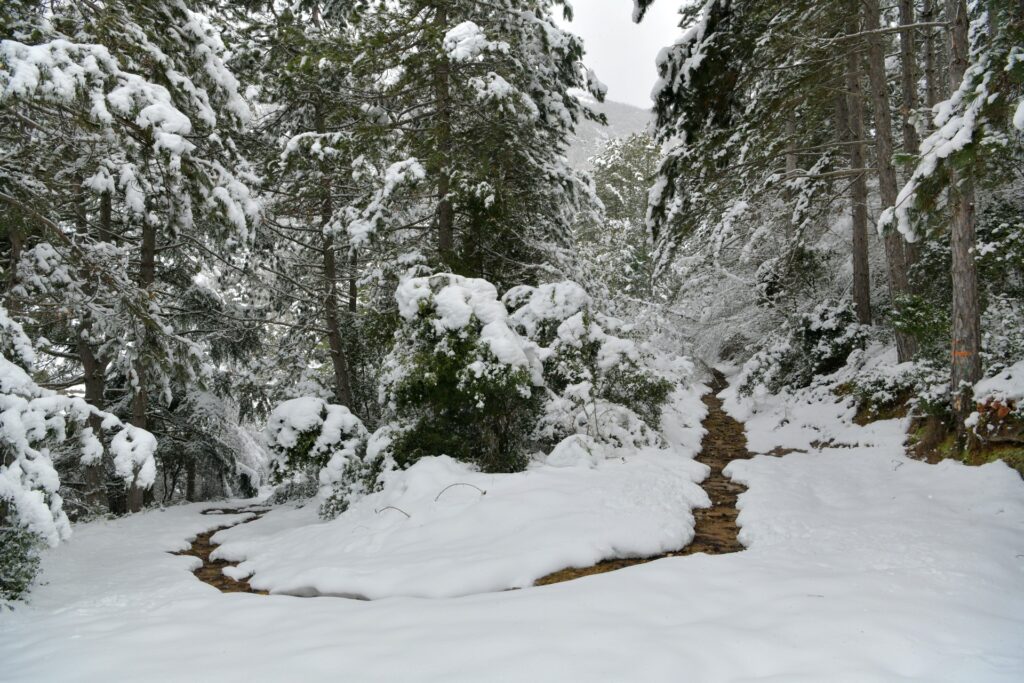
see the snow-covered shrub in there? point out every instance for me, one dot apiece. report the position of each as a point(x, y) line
point(818, 343)
point(19, 561)
point(597, 383)
point(883, 389)
point(459, 380)
point(311, 440)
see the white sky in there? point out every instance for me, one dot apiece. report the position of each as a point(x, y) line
point(621, 52)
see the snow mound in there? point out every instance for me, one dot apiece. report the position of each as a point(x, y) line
point(1005, 387)
point(442, 528)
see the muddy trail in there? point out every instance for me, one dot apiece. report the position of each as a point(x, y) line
point(715, 531)
point(212, 571)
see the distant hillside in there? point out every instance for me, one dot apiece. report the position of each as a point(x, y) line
point(623, 120)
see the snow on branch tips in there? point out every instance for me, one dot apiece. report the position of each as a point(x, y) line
point(32, 421)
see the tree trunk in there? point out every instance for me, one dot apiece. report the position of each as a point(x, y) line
point(353, 283)
point(342, 381)
point(95, 496)
point(966, 361)
point(93, 371)
point(933, 87)
point(140, 399)
point(850, 124)
point(899, 283)
point(190, 480)
point(442, 97)
point(332, 320)
point(908, 73)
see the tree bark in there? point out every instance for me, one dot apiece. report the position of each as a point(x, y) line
point(933, 87)
point(899, 283)
point(966, 342)
point(908, 73)
point(342, 381)
point(140, 399)
point(850, 123)
point(442, 97)
point(93, 370)
point(190, 480)
point(332, 320)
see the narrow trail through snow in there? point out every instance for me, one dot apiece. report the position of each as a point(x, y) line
point(715, 530)
point(212, 571)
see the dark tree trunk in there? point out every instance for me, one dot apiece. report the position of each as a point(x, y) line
point(332, 319)
point(93, 371)
point(140, 399)
point(442, 97)
point(908, 73)
point(190, 480)
point(933, 85)
point(339, 361)
point(850, 123)
point(966, 360)
point(899, 283)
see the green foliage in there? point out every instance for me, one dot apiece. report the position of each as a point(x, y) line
point(450, 391)
point(19, 561)
point(818, 343)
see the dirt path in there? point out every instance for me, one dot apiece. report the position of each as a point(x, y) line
point(715, 530)
point(211, 571)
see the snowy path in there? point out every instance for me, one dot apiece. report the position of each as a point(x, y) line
point(862, 566)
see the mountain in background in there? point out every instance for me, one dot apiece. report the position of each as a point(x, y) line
point(623, 120)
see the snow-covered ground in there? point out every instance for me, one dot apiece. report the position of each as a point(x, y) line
point(862, 565)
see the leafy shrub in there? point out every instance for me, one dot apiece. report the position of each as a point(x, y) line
point(459, 380)
point(19, 561)
point(316, 445)
point(597, 383)
point(921, 386)
point(818, 343)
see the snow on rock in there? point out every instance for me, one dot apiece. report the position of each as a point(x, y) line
point(1005, 387)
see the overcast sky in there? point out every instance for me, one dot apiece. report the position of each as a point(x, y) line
point(621, 52)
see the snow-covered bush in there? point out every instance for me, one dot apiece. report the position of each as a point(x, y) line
point(597, 383)
point(19, 561)
point(32, 421)
point(818, 343)
point(459, 381)
point(311, 440)
point(884, 389)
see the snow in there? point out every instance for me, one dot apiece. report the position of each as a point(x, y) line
point(1005, 387)
point(465, 42)
point(134, 450)
point(455, 302)
point(863, 566)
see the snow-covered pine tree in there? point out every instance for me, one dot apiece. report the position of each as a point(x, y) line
point(481, 95)
point(123, 176)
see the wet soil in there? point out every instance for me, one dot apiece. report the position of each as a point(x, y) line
point(715, 531)
point(211, 571)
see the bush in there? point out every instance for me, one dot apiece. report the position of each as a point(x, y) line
point(819, 343)
point(315, 446)
point(922, 386)
point(597, 383)
point(19, 561)
point(458, 379)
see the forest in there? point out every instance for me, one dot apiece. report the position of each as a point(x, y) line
point(376, 334)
